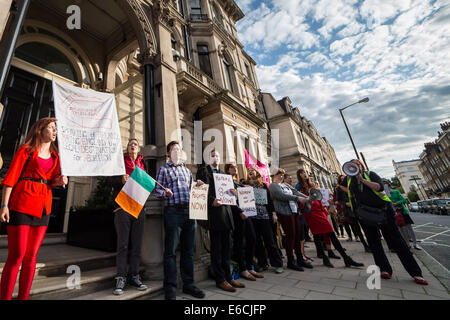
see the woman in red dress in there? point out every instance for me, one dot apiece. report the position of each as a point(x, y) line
point(317, 219)
point(26, 204)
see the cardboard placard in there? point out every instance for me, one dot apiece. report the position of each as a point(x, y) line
point(247, 203)
point(198, 202)
point(223, 183)
point(260, 196)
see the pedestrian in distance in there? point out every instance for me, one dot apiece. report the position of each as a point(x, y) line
point(398, 201)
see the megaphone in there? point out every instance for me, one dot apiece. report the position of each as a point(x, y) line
point(315, 194)
point(350, 169)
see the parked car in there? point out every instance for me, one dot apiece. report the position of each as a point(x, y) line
point(420, 205)
point(443, 206)
point(413, 207)
point(432, 206)
point(427, 205)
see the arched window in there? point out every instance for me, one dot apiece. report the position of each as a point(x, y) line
point(48, 58)
point(227, 70)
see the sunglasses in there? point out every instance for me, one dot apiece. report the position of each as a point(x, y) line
point(132, 144)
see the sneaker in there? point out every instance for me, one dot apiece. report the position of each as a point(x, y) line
point(135, 281)
point(279, 270)
point(120, 285)
point(194, 291)
point(417, 247)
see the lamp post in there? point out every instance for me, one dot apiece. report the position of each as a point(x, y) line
point(345, 123)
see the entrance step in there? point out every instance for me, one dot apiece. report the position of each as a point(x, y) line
point(58, 288)
point(130, 293)
point(50, 238)
point(53, 260)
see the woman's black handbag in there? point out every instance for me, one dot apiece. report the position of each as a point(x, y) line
point(371, 216)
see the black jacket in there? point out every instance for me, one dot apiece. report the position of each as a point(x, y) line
point(219, 218)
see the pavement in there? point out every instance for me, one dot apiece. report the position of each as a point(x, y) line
point(339, 283)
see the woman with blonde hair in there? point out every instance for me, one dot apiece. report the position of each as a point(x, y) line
point(27, 203)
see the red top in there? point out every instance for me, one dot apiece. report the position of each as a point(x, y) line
point(30, 197)
point(317, 219)
point(45, 164)
point(338, 205)
point(130, 164)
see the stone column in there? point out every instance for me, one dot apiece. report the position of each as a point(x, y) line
point(4, 14)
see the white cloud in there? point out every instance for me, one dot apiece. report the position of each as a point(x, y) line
point(401, 64)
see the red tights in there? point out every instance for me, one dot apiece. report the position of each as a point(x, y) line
point(23, 246)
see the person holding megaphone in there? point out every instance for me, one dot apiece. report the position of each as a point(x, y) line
point(375, 211)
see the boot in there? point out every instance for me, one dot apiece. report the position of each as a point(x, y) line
point(349, 262)
point(331, 255)
point(326, 262)
point(302, 263)
point(292, 265)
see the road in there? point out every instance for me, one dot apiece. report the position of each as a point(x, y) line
point(434, 231)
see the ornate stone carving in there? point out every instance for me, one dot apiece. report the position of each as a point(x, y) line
point(162, 13)
point(141, 24)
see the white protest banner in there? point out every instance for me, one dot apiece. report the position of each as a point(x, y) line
point(246, 199)
point(260, 196)
point(325, 196)
point(88, 132)
point(198, 202)
point(223, 183)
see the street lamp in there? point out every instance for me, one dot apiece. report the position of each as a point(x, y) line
point(366, 99)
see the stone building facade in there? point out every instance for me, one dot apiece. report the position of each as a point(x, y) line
point(300, 144)
point(178, 72)
point(436, 163)
point(410, 177)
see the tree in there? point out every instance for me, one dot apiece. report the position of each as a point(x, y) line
point(413, 196)
point(395, 183)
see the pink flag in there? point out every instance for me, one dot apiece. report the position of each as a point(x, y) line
point(251, 161)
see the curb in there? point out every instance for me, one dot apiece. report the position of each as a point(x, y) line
point(437, 269)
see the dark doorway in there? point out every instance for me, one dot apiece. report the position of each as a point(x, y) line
point(27, 98)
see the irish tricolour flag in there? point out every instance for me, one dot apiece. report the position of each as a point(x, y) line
point(135, 192)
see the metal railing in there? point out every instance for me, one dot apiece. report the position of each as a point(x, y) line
point(199, 17)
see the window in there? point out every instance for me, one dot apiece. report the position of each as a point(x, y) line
point(249, 74)
point(203, 59)
point(47, 57)
point(227, 70)
point(217, 15)
point(195, 7)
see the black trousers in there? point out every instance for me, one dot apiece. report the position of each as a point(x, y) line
point(334, 240)
point(265, 242)
point(393, 237)
point(130, 232)
point(244, 241)
point(348, 230)
point(357, 232)
point(220, 255)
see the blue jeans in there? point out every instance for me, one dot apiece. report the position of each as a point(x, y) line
point(179, 229)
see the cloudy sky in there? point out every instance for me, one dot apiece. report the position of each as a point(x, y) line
point(327, 54)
